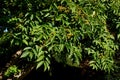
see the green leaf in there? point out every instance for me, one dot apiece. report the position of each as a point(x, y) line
point(27, 48)
point(46, 15)
point(40, 64)
point(38, 19)
point(40, 53)
point(25, 42)
point(48, 60)
point(31, 17)
point(118, 36)
point(34, 51)
point(92, 62)
point(31, 56)
point(26, 14)
point(46, 65)
point(61, 47)
point(50, 47)
point(25, 54)
point(40, 58)
point(12, 41)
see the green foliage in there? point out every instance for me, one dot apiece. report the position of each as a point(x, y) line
point(68, 30)
point(12, 70)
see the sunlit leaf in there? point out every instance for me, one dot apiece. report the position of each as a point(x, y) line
point(39, 64)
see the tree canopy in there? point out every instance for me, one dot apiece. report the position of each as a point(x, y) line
point(79, 33)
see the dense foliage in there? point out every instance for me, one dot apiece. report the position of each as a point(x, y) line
point(80, 33)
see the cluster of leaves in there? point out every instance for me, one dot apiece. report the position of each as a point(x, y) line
point(12, 70)
point(70, 31)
